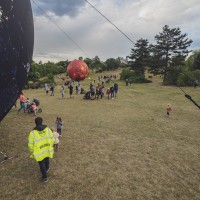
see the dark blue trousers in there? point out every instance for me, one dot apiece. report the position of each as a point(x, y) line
point(44, 166)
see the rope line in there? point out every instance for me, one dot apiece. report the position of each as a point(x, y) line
point(110, 22)
point(49, 18)
point(190, 98)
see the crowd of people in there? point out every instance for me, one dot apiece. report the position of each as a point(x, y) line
point(97, 88)
point(100, 91)
point(48, 139)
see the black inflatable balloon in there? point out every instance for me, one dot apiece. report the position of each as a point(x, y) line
point(16, 49)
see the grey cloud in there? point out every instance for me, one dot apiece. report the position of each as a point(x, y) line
point(137, 18)
point(58, 7)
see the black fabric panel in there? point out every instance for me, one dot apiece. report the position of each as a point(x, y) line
point(16, 49)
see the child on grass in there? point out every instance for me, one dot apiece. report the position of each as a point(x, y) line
point(28, 103)
point(62, 90)
point(34, 108)
point(169, 109)
point(108, 92)
point(59, 125)
point(56, 140)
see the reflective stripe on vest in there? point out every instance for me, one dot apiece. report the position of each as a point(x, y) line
point(44, 138)
point(31, 143)
point(47, 151)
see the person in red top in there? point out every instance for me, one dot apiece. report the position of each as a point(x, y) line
point(22, 102)
point(108, 92)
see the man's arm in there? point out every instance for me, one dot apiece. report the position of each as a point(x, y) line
point(31, 142)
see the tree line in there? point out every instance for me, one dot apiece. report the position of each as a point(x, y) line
point(41, 73)
point(168, 57)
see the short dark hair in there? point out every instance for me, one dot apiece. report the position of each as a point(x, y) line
point(38, 121)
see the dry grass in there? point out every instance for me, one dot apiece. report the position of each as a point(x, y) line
point(124, 148)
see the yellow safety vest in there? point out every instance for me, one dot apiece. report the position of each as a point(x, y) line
point(40, 144)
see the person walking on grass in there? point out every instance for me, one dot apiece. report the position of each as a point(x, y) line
point(112, 92)
point(56, 139)
point(46, 88)
point(79, 88)
point(195, 83)
point(22, 102)
point(115, 89)
point(62, 90)
point(169, 109)
point(108, 92)
point(70, 90)
point(52, 89)
point(34, 108)
point(40, 145)
point(97, 92)
point(76, 89)
point(127, 81)
point(102, 91)
point(59, 125)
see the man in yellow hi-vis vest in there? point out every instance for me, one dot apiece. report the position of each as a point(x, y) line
point(40, 144)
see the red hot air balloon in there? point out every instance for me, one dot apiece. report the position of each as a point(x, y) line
point(77, 70)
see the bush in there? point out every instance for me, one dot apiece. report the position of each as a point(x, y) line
point(196, 75)
point(126, 74)
point(46, 80)
point(133, 77)
point(50, 77)
point(58, 70)
point(186, 78)
point(138, 78)
point(98, 71)
point(33, 85)
point(172, 76)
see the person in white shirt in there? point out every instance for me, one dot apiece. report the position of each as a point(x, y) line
point(62, 90)
point(79, 89)
point(56, 138)
point(46, 88)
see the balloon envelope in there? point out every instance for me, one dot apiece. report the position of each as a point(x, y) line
point(16, 49)
point(77, 70)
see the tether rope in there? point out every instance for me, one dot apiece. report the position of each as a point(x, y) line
point(190, 98)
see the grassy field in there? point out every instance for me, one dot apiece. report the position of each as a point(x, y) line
point(125, 148)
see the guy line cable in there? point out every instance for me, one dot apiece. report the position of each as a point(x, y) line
point(110, 22)
point(60, 28)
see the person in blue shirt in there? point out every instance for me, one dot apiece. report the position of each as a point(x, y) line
point(115, 89)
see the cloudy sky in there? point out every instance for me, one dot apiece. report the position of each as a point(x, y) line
point(68, 29)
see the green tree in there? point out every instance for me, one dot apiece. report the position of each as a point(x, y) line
point(123, 63)
point(193, 62)
point(196, 64)
point(34, 73)
point(49, 67)
point(140, 56)
point(50, 77)
point(170, 50)
point(88, 61)
point(95, 63)
point(112, 64)
point(64, 64)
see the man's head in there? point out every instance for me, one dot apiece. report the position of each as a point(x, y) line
point(38, 121)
